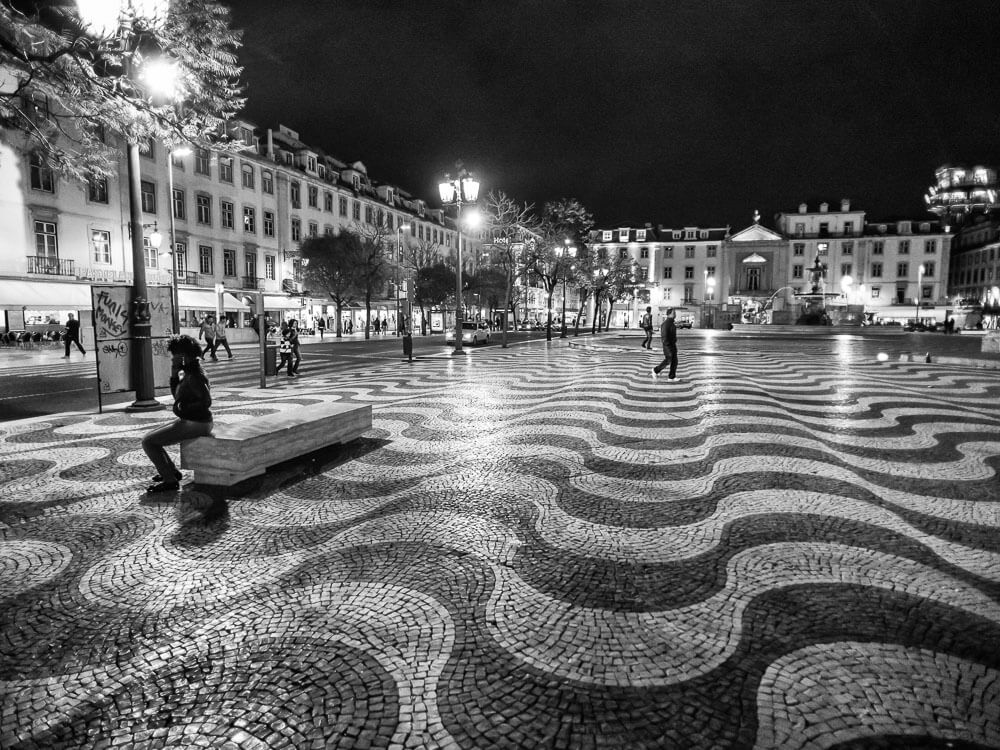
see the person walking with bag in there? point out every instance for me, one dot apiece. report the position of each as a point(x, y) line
point(647, 326)
point(192, 407)
point(668, 336)
point(221, 338)
point(208, 331)
point(293, 339)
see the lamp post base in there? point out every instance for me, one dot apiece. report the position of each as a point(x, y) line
point(144, 406)
point(458, 350)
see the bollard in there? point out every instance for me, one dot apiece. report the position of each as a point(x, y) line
point(408, 346)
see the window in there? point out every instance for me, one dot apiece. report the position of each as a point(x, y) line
point(226, 169)
point(688, 272)
point(328, 202)
point(250, 220)
point(929, 269)
point(848, 228)
point(102, 246)
point(640, 235)
point(246, 170)
point(149, 152)
point(176, 161)
point(388, 225)
point(227, 212)
point(356, 211)
point(800, 229)
point(246, 135)
point(644, 252)
point(205, 260)
point(878, 247)
point(328, 230)
point(342, 205)
point(311, 163)
point(369, 216)
point(876, 270)
point(846, 269)
point(178, 204)
point(606, 235)
point(930, 246)
point(46, 245)
point(623, 235)
point(295, 194)
point(202, 160)
point(623, 252)
point(269, 223)
point(799, 248)
point(876, 292)
point(180, 256)
point(710, 272)
point(710, 251)
point(203, 206)
point(668, 272)
point(296, 230)
point(902, 270)
point(250, 264)
point(668, 252)
point(229, 262)
point(269, 267)
point(796, 272)
point(150, 253)
point(847, 248)
point(689, 251)
point(904, 247)
point(689, 234)
point(97, 190)
point(824, 228)
point(148, 192)
point(267, 181)
point(313, 229)
point(822, 248)
point(313, 193)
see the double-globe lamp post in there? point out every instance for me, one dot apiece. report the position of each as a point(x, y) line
point(106, 18)
point(569, 250)
point(464, 189)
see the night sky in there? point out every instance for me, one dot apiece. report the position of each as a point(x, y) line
point(669, 112)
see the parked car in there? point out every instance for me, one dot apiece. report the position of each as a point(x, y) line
point(472, 333)
point(685, 323)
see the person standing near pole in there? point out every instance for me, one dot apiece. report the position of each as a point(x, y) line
point(293, 337)
point(668, 336)
point(72, 335)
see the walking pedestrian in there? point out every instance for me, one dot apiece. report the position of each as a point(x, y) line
point(647, 326)
point(285, 353)
point(293, 338)
point(321, 325)
point(668, 336)
point(350, 326)
point(192, 407)
point(72, 335)
point(385, 326)
point(221, 337)
point(207, 331)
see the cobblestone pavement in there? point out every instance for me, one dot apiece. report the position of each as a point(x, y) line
point(793, 546)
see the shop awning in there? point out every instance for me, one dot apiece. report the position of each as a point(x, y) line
point(44, 295)
point(281, 302)
point(204, 299)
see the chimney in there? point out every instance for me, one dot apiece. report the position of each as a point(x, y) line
point(803, 208)
point(824, 207)
point(845, 205)
point(270, 144)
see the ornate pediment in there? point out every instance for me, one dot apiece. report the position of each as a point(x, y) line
point(755, 233)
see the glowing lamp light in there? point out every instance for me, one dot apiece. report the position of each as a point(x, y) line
point(155, 240)
point(883, 357)
point(162, 77)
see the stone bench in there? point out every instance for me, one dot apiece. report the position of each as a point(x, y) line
point(234, 452)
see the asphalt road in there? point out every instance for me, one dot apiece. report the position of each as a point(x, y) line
point(39, 382)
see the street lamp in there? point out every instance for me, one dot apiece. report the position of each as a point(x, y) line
point(570, 250)
point(104, 19)
point(920, 276)
point(399, 257)
point(462, 190)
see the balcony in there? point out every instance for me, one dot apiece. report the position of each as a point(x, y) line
point(51, 266)
point(251, 282)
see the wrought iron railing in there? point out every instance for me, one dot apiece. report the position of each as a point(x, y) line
point(51, 266)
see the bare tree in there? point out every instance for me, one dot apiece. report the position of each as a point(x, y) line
point(509, 226)
point(374, 265)
point(332, 264)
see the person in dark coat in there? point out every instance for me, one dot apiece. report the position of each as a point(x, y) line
point(73, 335)
point(668, 337)
point(192, 407)
point(293, 337)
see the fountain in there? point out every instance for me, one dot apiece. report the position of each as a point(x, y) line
point(822, 308)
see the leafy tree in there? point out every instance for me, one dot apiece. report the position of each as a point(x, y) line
point(332, 264)
point(63, 88)
point(434, 284)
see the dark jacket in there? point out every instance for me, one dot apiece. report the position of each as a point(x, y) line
point(73, 329)
point(191, 396)
point(668, 332)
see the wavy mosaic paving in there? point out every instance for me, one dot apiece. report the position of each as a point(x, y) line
point(531, 548)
